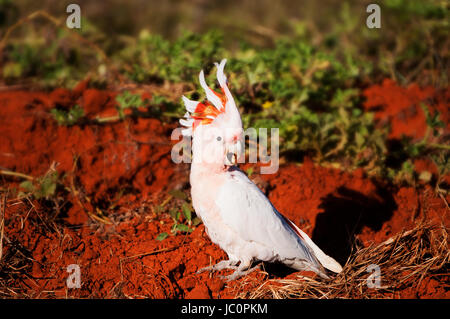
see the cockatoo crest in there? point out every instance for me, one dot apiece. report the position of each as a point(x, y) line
point(217, 105)
point(237, 214)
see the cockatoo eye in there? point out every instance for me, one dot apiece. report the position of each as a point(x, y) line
point(219, 138)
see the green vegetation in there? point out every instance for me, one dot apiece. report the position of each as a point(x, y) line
point(301, 75)
point(155, 58)
point(68, 118)
point(182, 213)
point(409, 150)
point(41, 187)
point(128, 100)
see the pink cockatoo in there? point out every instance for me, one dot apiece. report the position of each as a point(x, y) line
point(237, 215)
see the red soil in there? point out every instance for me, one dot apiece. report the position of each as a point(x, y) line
point(400, 107)
point(128, 164)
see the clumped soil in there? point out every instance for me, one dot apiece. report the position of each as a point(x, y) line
point(114, 176)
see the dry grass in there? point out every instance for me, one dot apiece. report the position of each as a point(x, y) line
point(15, 265)
point(404, 260)
point(16, 260)
point(2, 223)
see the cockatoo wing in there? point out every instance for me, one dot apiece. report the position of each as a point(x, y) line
point(248, 212)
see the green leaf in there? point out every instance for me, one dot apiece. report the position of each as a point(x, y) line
point(359, 139)
point(187, 211)
point(182, 228)
point(27, 186)
point(68, 118)
point(407, 167)
point(196, 221)
point(178, 194)
point(48, 185)
point(128, 100)
point(159, 99)
point(162, 236)
point(174, 213)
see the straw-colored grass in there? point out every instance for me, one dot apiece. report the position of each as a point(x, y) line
point(404, 261)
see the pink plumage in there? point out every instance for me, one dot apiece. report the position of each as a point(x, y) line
point(237, 215)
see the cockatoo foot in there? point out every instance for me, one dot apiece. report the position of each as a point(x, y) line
point(224, 264)
point(242, 270)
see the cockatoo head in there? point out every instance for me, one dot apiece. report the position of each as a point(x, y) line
point(215, 124)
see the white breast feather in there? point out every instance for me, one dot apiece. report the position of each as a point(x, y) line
point(249, 213)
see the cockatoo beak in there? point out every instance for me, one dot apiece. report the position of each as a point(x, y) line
point(232, 153)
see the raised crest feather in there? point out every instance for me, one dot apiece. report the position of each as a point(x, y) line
point(204, 113)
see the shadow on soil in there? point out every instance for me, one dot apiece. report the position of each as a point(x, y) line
point(345, 213)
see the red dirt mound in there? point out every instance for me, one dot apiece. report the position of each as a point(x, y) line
point(123, 170)
point(401, 108)
point(109, 156)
